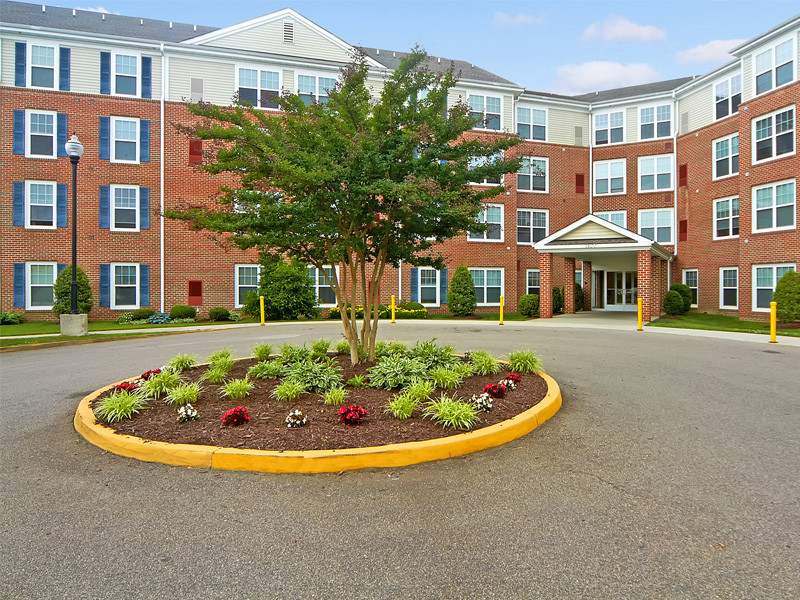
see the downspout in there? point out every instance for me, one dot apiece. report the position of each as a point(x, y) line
point(399, 280)
point(161, 177)
point(675, 162)
point(591, 165)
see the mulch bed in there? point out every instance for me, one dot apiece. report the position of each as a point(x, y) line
point(324, 431)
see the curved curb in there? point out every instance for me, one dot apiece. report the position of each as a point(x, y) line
point(316, 461)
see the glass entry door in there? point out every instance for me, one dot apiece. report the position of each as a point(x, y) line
point(621, 290)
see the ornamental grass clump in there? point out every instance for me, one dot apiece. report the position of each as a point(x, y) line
point(320, 348)
point(342, 347)
point(397, 371)
point(315, 376)
point(484, 363)
point(119, 405)
point(262, 351)
point(182, 394)
point(444, 378)
point(235, 417)
point(358, 381)
point(451, 412)
point(237, 388)
point(267, 370)
point(160, 383)
point(216, 374)
point(181, 362)
point(402, 405)
point(352, 414)
point(288, 390)
point(420, 390)
point(463, 370)
point(223, 355)
point(434, 355)
point(525, 361)
point(335, 396)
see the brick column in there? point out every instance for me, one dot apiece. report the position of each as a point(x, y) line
point(645, 289)
point(569, 286)
point(546, 286)
point(587, 285)
point(657, 294)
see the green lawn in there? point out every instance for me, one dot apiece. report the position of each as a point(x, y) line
point(42, 327)
point(50, 340)
point(487, 317)
point(719, 323)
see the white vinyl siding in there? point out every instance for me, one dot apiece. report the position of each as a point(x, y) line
point(219, 80)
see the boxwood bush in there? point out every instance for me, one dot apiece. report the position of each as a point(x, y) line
point(182, 311)
point(529, 305)
point(219, 313)
point(686, 293)
point(673, 303)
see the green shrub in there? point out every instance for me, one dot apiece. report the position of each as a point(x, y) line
point(461, 298)
point(187, 320)
point(320, 348)
point(8, 317)
point(787, 295)
point(402, 405)
point(291, 353)
point(335, 396)
point(181, 362)
point(525, 361)
point(315, 376)
point(358, 381)
point(451, 412)
point(262, 352)
point(413, 306)
point(397, 371)
point(267, 370)
point(142, 313)
point(216, 374)
point(124, 318)
point(287, 289)
point(673, 303)
point(342, 347)
point(237, 388)
point(558, 300)
point(184, 393)
point(182, 311)
point(578, 297)
point(444, 378)
point(119, 405)
point(389, 349)
point(252, 305)
point(62, 302)
point(219, 313)
point(434, 355)
point(529, 305)
point(286, 391)
point(686, 293)
point(485, 363)
point(160, 383)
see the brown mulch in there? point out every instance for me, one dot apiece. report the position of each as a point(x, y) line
point(267, 430)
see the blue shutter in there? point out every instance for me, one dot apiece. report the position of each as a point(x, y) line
point(18, 219)
point(61, 267)
point(63, 76)
point(105, 207)
point(104, 148)
point(144, 285)
point(20, 66)
point(61, 205)
point(414, 285)
point(147, 77)
point(443, 286)
point(105, 72)
point(19, 285)
point(144, 141)
point(19, 132)
point(144, 208)
point(61, 135)
point(105, 285)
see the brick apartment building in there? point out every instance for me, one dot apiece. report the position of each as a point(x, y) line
point(692, 180)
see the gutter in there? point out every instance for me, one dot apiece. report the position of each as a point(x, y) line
point(164, 82)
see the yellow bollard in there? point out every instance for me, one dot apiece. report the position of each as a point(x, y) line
point(261, 298)
point(773, 322)
point(501, 310)
point(393, 307)
point(639, 310)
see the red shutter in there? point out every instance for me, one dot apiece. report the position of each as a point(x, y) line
point(683, 230)
point(195, 293)
point(683, 175)
point(195, 151)
point(579, 186)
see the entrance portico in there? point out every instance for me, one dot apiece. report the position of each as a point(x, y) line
point(619, 267)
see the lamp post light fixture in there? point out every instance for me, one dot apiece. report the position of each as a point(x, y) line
point(74, 150)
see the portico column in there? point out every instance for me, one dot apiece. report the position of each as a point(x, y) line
point(546, 286)
point(569, 286)
point(645, 284)
point(656, 293)
point(587, 285)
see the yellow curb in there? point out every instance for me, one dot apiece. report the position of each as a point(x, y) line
point(316, 461)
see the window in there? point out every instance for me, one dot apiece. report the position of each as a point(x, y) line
point(429, 287)
point(532, 124)
point(125, 293)
point(655, 173)
point(488, 285)
point(729, 287)
point(124, 140)
point(492, 214)
point(126, 74)
point(259, 88)
point(617, 217)
point(246, 281)
point(766, 277)
point(40, 278)
point(690, 279)
point(726, 156)
point(655, 122)
point(726, 218)
point(481, 161)
point(124, 208)
point(42, 60)
point(579, 277)
point(774, 207)
point(324, 292)
point(656, 225)
point(533, 176)
point(774, 135)
point(40, 204)
point(487, 109)
point(314, 89)
point(40, 138)
point(609, 177)
point(727, 97)
point(609, 128)
point(532, 225)
point(774, 67)
point(532, 276)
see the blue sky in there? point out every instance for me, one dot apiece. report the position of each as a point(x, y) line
point(558, 46)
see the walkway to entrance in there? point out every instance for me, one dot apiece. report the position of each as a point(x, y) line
point(596, 319)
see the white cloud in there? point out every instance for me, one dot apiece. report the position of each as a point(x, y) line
point(98, 9)
point(715, 51)
point(601, 75)
point(619, 29)
point(505, 20)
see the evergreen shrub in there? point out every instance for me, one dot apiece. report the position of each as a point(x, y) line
point(529, 305)
point(673, 303)
point(686, 293)
point(62, 291)
point(182, 311)
point(787, 295)
point(219, 313)
point(461, 298)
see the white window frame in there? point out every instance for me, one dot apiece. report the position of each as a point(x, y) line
point(317, 284)
point(112, 135)
point(727, 99)
point(113, 286)
point(729, 158)
point(316, 75)
point(502, 282)
point(722, 288)
point(608, 128)
point(774, 267)
point(656, 212)
point(236, 284)
point(729, 218)
point(481, 161)
point(605, 214)
point(656, 173)
point(655, 121)
point(54, 186)
point(482, 219)
point(30, 65)
point(438, 288)
point(113, 211)
point(52, 113)
point(696, 287)
point(484, 112)
point(754, 202)
point(28, 280)
point(528, 160)
point(610, 163)
point(138, 58)
point(259, 89)
point(531, 123)
point(527, 281)
point(774, 66)
point(546, 224)
point(773, 135)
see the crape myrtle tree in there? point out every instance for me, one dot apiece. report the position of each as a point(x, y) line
point(357, 182)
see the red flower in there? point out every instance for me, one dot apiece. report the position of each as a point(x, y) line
point(126, 386)
point(236, 416)
point(495, 390)
point(150, 373)
point(352, 414)
point(515, 377)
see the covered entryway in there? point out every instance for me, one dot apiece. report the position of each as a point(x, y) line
point(619, 267)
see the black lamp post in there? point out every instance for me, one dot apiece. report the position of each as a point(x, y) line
point(74, 150)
